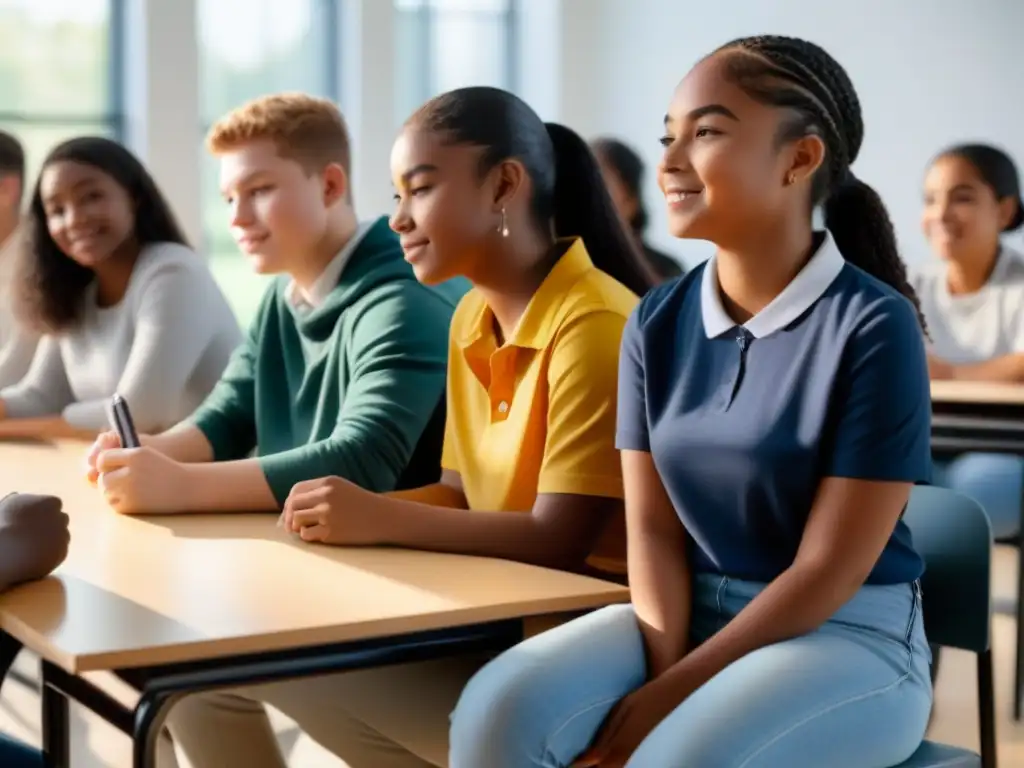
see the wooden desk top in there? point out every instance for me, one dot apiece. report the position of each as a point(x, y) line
point(977, 392)
point(155, 590)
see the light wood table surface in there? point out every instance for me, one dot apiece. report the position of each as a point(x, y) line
point(982, 393)
point(156, 590)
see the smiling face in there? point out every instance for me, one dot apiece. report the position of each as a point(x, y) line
point(724, 170)
point(962, 218)
point(445, 212)
point(278, 211)
point(89, 215)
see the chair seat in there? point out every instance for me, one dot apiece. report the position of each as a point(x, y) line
point(932, 755)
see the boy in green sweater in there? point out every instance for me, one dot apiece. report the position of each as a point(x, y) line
point(343, 371)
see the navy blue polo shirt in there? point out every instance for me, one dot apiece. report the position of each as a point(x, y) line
point(743, 422)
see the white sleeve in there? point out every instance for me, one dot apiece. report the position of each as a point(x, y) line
point(45, 390)
point(1015, 331)
point(171, 334)
point(16, 355)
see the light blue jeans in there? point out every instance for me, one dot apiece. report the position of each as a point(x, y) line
point(994, 480)
point(856, 693)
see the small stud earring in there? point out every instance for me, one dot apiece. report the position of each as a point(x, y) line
point(790, 179)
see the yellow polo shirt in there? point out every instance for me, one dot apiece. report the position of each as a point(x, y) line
point(537, 414)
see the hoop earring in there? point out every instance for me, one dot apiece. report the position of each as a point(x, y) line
point(790, 179)
point(503, 227)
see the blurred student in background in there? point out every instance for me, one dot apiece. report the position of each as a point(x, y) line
point(125, 304)
point(17, 343)
point(623, 172)
point(972, 296)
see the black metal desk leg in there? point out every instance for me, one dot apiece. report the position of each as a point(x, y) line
point(150, 715)
point(986, 710)
point(56, 723)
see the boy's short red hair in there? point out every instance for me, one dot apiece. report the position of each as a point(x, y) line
point(305, 128)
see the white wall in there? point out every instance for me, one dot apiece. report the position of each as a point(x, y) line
point(928, 73)
point(538, 35)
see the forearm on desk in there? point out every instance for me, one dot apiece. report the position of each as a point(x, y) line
point(1006, 369)
point(434, 495)
point(373, 462)
point(43, 428)
point(184, 443)
point(228, 486)
point(510, 535)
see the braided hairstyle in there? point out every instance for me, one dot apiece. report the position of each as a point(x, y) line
point(804, 79)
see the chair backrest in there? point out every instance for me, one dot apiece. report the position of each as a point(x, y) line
point(953, 534)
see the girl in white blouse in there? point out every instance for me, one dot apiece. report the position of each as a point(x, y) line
point(972, 297)
point(125, 304)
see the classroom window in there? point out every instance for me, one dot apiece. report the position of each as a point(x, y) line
point(249, 48)
point(446, 44)
point(60, 72)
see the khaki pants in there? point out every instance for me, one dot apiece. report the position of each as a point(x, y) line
point(393, 717)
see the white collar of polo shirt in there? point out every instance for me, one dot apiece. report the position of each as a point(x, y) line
point(796, 298)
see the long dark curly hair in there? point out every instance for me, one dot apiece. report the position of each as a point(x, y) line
point(51, 284)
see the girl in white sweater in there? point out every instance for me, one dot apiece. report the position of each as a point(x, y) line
point(972, 297)
point(124, 303)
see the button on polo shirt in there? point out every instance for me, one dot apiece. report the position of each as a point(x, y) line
point(744, 421)
point(537, 414)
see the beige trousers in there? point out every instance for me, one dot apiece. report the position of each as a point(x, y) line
point(392, 717)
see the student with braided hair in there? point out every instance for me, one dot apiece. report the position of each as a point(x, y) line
point(773, 416)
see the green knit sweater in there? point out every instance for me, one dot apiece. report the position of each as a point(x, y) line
point(345, 389)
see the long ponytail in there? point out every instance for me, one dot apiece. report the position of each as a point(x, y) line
point(583, 208)
point(863, 232)
point(568, 188)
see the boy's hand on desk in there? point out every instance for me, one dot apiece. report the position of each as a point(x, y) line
point(141, 481)
point(105, 441)
point(331, 510)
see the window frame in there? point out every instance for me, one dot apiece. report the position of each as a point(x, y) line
point(114, 118)
point(331, 18)
point(426, 14)
point(216, 243)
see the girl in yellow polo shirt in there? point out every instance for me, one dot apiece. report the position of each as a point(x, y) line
point(487, 191)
